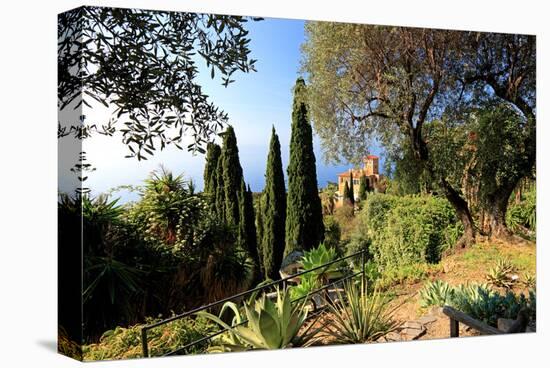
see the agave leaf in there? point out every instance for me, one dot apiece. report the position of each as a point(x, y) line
point(235, 308)
point(250, 337)
point(252, 317)
point(270, 330)
point(271, 308)
point(285, 309)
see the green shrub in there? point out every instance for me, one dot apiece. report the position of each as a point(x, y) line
point(332, 232)
point(125, 343)
point(405, 230)
point(409, 273)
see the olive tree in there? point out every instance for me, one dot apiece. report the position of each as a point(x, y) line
point(389, 84)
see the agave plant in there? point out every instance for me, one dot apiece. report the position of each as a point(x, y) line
point(308, 283)
point(529, 280)
point(264, 325)
point(436, 293)
point(357, 317)
point(318, 257)
point(499, 275)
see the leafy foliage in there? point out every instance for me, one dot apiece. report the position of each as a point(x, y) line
point(125, 343)
point(333, 233)
point(169, 212)
point(143, 64)
point(523, 215)
point(329, 196)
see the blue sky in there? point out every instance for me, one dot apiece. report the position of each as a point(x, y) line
point(255, 102)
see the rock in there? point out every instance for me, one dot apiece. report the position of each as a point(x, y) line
point(391, 337)
point(414, 325)
point(413, 333)
point(436, 312)
point(427, 319)
point(504, 324)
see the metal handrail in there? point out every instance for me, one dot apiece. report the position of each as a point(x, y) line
point(144, 342)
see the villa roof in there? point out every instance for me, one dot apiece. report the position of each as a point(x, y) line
point(355, 171)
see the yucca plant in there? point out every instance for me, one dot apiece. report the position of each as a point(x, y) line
point(268, 325)
point(357, 317)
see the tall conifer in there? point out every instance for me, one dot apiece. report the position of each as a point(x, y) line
point(232, 176)
point(220, 191)
point(274, 210)
point(246, 228)
point(213, 152)
point(304, 221)
point(351, 189)
point(363, 188)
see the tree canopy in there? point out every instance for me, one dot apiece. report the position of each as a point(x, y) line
point(143, 65)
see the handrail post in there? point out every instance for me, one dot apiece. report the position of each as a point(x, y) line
point(454, 327)
point(144, 345)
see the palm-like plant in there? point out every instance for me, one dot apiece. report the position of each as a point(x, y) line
point(170, 210)
point(357, 317)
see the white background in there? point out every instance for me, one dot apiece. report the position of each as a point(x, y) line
point(28, 187)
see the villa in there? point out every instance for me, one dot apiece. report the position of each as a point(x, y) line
point(369, 170)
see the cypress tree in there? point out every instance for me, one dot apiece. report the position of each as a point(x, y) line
point(232, 176)
point(363, 188)
point(246, 227)
point(260, 232)
point(274, 210)
point(219, 204)
point(347, 194)
point(304, 220)
point(351, 191)
point(213, 152)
